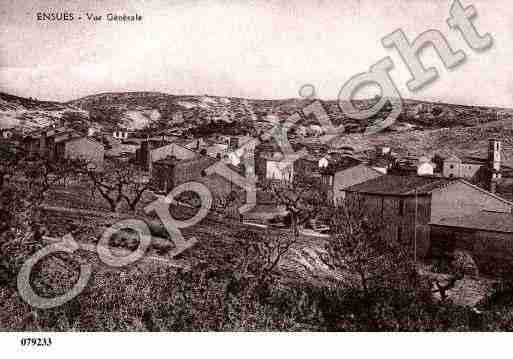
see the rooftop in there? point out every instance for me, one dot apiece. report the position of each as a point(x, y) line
point(466, 159)
point(205, 159)
point(342, 164)
point(484, 220)
point(400, 185)
point(50, 131)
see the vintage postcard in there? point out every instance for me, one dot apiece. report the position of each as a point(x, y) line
point(255, 166)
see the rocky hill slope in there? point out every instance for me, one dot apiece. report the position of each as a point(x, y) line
point(28, 113)
point(139, 109)
point(422, 127)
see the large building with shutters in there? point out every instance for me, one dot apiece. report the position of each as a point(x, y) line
point(409, 203)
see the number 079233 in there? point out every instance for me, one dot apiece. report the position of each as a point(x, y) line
point(36, 342)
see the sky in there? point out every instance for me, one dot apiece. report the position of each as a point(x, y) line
point(253, 49)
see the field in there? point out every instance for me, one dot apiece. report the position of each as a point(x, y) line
point(218, 249)
point(93, 217)
point(162, 293)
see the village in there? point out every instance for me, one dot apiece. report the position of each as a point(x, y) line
point(226, 202)
point(260, 179)
point(250, 204)
point(438, 205)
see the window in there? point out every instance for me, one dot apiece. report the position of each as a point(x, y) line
point(451, 167)
point(401, 207)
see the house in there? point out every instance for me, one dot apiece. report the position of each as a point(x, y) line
point(241, 152)
point(332, 158)
point(59, 143)
point(171, 172)
point(425, 167)
point(410, 203)
point(147, 153)
point(43, 141)
point(381, 165)
point(464, 167)
point(6, 133)
point(236, 142)
point(315, 130)
point(122, 151)
point(120, 133)
point(198, 144)
point(382, 159)
point(87, 149)
point(217, 150)
point(473, 168)
point(323, 162)
point(277, 168)
point(268, 156)
point(223, 139)
point(335, 179)
point(487, 235)
point(302, 131)
point(382, 151)
point(412, 166)
point(307, 167)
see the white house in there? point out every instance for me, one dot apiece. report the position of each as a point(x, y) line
point(6, 133)
point(425, 167)
point(120, 134)
point(324, 162)
point(302, 131)
point(316, 130)
point(279, 169)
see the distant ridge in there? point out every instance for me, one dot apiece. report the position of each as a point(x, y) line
point(161, 111)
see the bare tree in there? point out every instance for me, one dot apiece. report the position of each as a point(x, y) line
point(9, 159)
point(261, 254)
point(26, 180)
point(119, 183)
point(301, 198)
point(34, 173)
point(360, 245)
point(257, 261)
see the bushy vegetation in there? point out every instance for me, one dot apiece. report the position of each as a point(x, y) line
point(237, 286)
point(206, 300)
point(235, 282)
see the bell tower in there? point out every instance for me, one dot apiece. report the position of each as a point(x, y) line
point(494, 156)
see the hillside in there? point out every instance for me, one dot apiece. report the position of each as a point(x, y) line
point(461, 141)
point(139, 109)
point(422, 127)
point(24, 113)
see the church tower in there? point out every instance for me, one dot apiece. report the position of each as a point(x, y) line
point(494, 156)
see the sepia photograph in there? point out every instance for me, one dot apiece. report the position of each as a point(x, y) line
point(253, 166)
